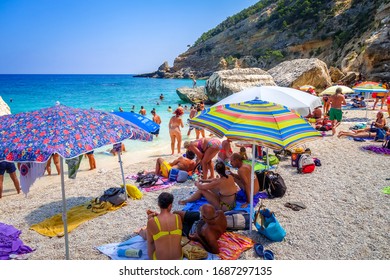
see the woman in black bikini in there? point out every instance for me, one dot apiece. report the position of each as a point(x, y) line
point(219, 192)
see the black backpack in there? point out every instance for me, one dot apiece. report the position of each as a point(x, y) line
point(147, 180)
point(386, 144)
point(271, 182)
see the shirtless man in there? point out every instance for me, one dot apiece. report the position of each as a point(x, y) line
point(142, 111)
point(209, 228)
point(174, 129)
point(156, 118)
point(243, 177)
point(335, 112)
point(182, 163)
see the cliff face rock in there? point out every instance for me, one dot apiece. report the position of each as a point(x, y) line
point(299, 72)
point(192, 95)
point(352, 35)
point(226, 82)
point(4, 108)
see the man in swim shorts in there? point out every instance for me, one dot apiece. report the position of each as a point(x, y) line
point(182, 163)
point(335, 112)
point(10, 168)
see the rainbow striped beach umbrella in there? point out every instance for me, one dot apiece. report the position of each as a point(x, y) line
point(258, 122)
point(369, 87)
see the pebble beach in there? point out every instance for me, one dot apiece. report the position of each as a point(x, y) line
point(347, 215)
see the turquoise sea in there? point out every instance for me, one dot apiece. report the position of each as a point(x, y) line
point(101, 92)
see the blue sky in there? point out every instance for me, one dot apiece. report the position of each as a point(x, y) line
point(112, 36)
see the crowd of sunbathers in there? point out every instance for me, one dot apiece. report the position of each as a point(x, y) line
point(165, 229)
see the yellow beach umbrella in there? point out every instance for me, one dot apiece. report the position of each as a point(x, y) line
point(332, 90)
point(306, 87)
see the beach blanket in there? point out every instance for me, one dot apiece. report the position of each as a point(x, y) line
point(77, 215)
point(241, 199)
point(10, 244)
point(231, 246)
point(162, 183)
point(377, 149)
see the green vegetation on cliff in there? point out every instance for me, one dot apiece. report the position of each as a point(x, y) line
point(233, 20)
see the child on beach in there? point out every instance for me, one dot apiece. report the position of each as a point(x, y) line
point(243, 153)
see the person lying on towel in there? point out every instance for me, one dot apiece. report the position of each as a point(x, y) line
point(182, 163)
point(205, 227)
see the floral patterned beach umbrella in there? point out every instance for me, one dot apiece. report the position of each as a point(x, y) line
point(34, 136)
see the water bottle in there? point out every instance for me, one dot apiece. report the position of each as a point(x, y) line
point(130, 253)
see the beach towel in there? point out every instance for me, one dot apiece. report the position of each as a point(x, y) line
point(137, 243)
point(162, 183)
point(77, 215)
point(73, 166)
point(10, 243)
point(29, 172)
point(231, 246)
point(377, 149)
point(241, 199)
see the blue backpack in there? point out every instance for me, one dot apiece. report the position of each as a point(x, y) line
point(380, 135)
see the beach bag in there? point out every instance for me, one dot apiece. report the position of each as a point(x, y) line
point(182, 176)
point(267, 225)
point(237, 220)
point(271, 182)
point(133, 192)
point(173, 174)
point(273, 160)
point(148, 180)
point(116, 196)
point(306, 164)
point(380, 135)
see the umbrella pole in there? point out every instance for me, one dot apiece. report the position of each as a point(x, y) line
point(123, 175)
point(267, 160)
point(252, 187)
point(64, 212)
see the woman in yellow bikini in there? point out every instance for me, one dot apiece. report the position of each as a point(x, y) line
point(164, 231)
point(220, 192)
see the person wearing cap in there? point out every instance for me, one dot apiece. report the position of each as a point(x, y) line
point(174, 129)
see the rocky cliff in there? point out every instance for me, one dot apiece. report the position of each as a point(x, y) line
point(351, 35)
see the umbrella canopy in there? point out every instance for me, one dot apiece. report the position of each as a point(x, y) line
point(258, 122)
point(306, 87)
point(34, 136)
point(301, 102)
point(261, 122)
point(140, 121)
point(332, 90)
point(369, 87)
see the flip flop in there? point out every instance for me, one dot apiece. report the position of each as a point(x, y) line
point(296, 206)
point(268, 255)
point(259, 249)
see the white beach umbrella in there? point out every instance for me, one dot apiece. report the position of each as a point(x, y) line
point(301, 102)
